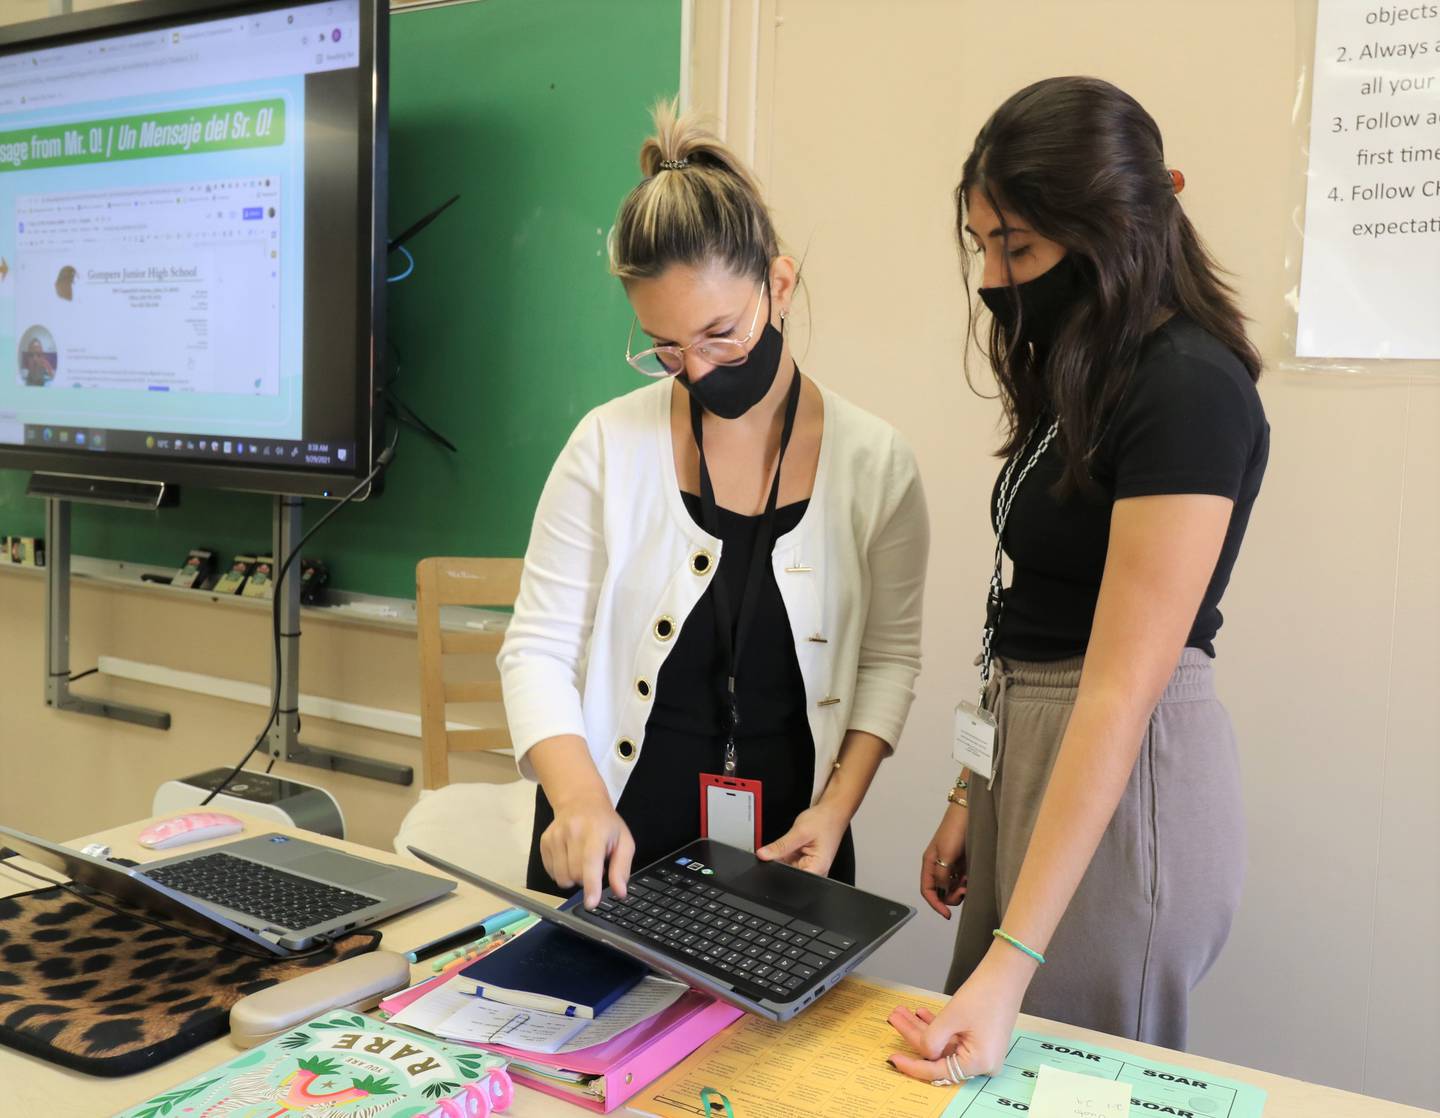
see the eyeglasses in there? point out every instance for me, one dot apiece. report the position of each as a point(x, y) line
point(669, 360)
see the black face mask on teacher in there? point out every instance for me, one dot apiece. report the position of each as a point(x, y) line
point(1043, 302)
point(729, 391)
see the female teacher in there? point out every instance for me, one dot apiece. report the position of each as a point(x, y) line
point(725, 571)
point(1096, 832)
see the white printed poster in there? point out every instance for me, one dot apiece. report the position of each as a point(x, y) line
point(1370, 268)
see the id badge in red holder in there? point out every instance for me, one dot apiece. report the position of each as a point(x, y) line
point(730, 811)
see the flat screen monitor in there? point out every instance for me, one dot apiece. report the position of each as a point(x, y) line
point(192, 243)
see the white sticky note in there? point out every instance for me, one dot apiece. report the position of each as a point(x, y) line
point(1067, 1094)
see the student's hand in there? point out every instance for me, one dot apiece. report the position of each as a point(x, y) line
point(976, 1024)
point(943, 886)
point(811, 842)
point(585, 835)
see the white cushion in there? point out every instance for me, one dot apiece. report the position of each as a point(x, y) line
point(484, 828)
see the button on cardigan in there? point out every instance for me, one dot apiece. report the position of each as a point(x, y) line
point(615, 564)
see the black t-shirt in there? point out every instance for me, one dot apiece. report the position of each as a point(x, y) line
point(1190, 422)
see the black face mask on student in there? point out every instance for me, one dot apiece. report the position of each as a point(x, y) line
point(1043, 302)
point(729, 391)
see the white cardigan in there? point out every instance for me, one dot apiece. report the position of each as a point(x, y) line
point(615, 565)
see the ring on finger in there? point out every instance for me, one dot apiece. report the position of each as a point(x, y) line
point(952, 1065)
point(942, 1083)
point(942, 863)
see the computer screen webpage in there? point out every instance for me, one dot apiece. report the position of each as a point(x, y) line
point(154, 190)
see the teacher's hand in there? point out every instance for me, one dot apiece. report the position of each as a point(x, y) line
point(585, 835)
point(811, 842)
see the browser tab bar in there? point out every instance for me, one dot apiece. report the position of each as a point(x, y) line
point(304, 39)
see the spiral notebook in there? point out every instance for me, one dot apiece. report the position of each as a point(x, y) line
point(339, 1063)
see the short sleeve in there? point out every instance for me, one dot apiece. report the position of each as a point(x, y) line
point(1187, 425)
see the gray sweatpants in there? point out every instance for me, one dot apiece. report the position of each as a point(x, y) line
point(1154, 908)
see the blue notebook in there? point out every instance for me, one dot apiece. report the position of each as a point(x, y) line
point(553, 971)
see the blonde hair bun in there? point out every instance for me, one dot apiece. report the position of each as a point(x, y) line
point(697, 202)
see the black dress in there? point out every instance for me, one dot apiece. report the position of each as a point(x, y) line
point(684, 736)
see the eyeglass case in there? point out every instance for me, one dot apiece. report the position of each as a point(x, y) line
point(356, 984)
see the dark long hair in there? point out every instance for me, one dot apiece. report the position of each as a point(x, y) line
point(1082, 163)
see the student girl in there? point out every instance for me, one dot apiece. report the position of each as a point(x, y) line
point(1097, 836)
point(725, 571)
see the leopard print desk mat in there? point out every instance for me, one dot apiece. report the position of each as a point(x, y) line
point(108, 994)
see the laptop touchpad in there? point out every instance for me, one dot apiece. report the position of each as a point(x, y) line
point(338, 868)
point(797, 892)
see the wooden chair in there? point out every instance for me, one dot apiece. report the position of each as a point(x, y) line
point(441, 581)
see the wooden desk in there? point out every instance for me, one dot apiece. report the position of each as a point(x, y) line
point(32, 1086)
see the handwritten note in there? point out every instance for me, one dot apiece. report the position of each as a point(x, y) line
point(431, 1009)
point(1067, 1094)
point(487, 1022)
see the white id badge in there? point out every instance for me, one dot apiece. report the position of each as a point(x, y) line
point(730, 811)
point(974, 739)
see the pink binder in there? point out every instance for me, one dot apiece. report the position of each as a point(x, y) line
point(625, 1065)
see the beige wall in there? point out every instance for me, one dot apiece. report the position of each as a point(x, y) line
point(19, 11)
point(859, 116)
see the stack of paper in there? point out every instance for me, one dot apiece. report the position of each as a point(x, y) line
point(599, 1068)
point(447, 1012)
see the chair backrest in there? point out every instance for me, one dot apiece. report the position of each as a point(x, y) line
point(441, 581)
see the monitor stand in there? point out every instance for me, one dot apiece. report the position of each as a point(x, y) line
point(283, 742)
point(57, 630)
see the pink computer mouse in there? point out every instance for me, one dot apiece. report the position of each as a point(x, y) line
point(195, 826)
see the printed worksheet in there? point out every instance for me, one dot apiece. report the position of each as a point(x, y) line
point(1155, 1088)
point(827, 1062)
point(830, 1061)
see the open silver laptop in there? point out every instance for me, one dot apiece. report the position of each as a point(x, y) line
point(273, 891)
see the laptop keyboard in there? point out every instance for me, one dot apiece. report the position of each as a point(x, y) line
point(280, 899)
point(722, 934)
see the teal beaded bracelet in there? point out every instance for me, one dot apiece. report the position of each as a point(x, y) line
point(1000, 933)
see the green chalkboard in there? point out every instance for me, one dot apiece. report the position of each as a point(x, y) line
point(510, 327)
